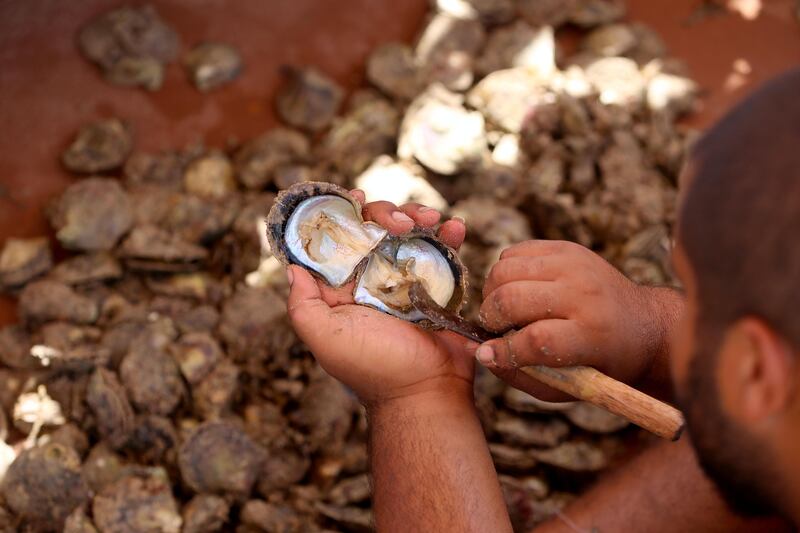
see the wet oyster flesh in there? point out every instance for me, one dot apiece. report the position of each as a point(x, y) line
point(392, 270)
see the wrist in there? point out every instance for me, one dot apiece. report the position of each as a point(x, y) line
point(437, 397)
point(662, 310)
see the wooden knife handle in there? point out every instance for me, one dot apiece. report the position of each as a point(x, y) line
point(583, 382)
point(591, 385)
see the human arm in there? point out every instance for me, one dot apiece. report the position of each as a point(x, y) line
point(571, 307)
point(431, 467)
point(430, 462)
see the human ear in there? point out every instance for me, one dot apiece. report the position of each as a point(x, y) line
point(755, 372)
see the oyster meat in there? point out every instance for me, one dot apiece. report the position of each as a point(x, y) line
point(392, 270)
point(323, 234)
point(319, 226)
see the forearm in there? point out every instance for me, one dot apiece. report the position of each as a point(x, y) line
point(431, 467)
point(664, 307)
point(662, 490)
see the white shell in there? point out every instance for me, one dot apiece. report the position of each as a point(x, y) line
point(399, 183)
point(424, 262)
point(441, 133)
point(334, 260)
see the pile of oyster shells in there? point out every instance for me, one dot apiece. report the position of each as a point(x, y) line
point(153, 382)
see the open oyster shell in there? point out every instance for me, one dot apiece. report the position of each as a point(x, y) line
point(396, 263)
point(319, 227)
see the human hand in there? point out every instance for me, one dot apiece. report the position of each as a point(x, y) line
point(379, 356)
point(398, 220)
point(573, 308)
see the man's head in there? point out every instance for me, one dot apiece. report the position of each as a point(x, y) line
point(736, 362)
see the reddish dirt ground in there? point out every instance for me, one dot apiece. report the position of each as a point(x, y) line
point(47, 90)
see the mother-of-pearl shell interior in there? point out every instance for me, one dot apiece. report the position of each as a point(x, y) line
point(325, 233)
point(392, 269)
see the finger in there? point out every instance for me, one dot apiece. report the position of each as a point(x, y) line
point(537, 268)
point(452, 233)
point(359, 195)
point(336, 296)
point(522, 381)
point(309, 313)
point(518, 303)
point(535, 247)
point(389, 216)
point(552, 342)
point(423, 215)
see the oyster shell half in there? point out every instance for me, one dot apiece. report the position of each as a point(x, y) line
point(395, 265)
point(319, 226)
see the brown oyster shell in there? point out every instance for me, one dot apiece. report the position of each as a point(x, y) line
point(45, 301)
point(140, 501)
point(99, 146)
point(87, 268)
point(595, 419)
point(218, 457)
point(211, 65)
point(78, 522)
point(131, 45)
point(358, 138)
point(92, 215)
point(255, 162)
point(108, 401)
point(309, 100)
point(205, 513)
point(154, 249)
point(393, 69)
point(43, 485)
point(22, 260)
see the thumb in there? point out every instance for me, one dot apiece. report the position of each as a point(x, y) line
point(456, 345)
point(460, 350)
point(307, 310)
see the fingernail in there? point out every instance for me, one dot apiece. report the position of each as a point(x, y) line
point(459, 219)
point(425, 209)
point(484, 354)
point(290, 276)
point(400, 217)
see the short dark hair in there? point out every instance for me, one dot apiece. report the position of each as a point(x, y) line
point(740, 219)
